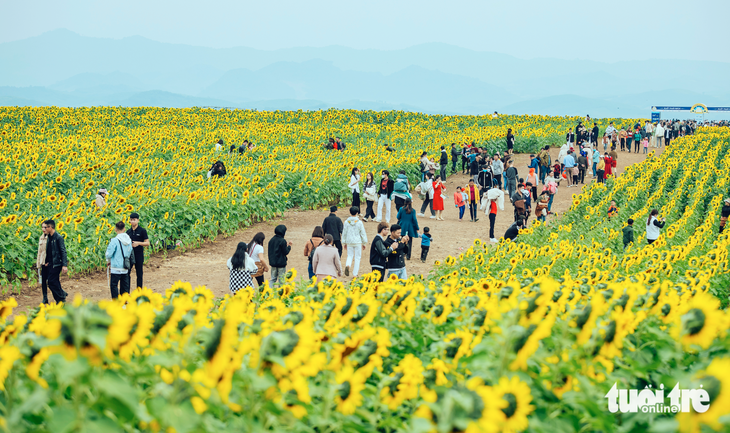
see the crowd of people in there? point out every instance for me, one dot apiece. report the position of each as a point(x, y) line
point(492, 177)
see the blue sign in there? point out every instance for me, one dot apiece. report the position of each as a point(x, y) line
point(668, 108)
point(718, 108)
point(655, 116)
point(672, 108)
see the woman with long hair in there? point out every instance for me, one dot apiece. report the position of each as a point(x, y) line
point(256, 252)
point(315, 241)
point(326, 260)
point(438, 200)
point(409, 224)
point(242, 268)
point(370, 195)
point(654, 226)
point(355, 186)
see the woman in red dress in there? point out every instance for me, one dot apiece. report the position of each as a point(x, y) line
point(438, 200)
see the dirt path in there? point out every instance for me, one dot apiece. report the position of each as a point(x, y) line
point(207, 265)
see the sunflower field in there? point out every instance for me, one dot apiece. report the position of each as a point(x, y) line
point(154, 161)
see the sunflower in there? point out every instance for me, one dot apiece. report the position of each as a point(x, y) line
point(351, 384)
point(8, 356)
point(516, 394)
point(404, 382)
point(716, 382)
point(700, 321)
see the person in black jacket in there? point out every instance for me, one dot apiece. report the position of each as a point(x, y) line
point(486, 179)
point(379, 252)
point(594, 134)
point(724, 214)
point(474, 168)
point(570, 136)
point(514, 229)
point(56, 261)
point(443, 162)
point(332, 225)
point(279, 248)
point(455, 152)
point(398, 245)
point(385, 193)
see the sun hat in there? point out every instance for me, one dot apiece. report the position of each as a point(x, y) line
point(102, 191)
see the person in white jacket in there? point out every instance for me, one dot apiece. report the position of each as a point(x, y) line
point(118, 249)
point(355, 239)
point(659, 133)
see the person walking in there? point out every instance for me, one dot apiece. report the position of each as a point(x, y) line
point(355, 239)
point(497, 169)
point(628, 233)
point(654, 226)
point(622, 138)
point(427, 190)
point(379, 252)
point(455, 152)
point(370, 196)
point(326, 260)
point(279, 249)
point(396, 263)
point(332, 225)
point(582, 167)
point(385, 192)
point(438, 198)
point(601, 170)
point(637, 140)
point(241, 268)
point(41, 260)
point(314, 242)
point(56, 261)
point(532, 181)
point(724, 215)
point(485, 179)
point(401, 190)
point(256, 251)
point(354, 186)
point(459, 202)
point(118, 257)
point(596, 159)
point(570, 137)
point(569, 163)
point(139, 238)
point(426, 240)
point(492, 203)
point(659, 134)
point(409, 224)
point(474, 170)
point(443, 162)
point(594, 134)
point(541, 207)
point(544, 160)
point(511, 175)
point(472, 193)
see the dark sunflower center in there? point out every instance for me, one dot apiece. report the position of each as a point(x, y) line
point(582, 318)
point(363, 353)
point(711, 385)
point(438, 311)
point(666, 308)
point(511, 404)
point(362, 311)
point(453, 347)
point(344, 390)
point(142, 299)
point(694, 321)
point(393, 385)
point(610, 332)
point(522, 339)
point(347, 307)
point(215, 340)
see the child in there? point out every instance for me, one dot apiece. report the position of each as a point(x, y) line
point(628, 233)
point(528, 200)
point(425, 243)
point(645, 142)
point(612, 210)
point(279, 248)
point(459, 202)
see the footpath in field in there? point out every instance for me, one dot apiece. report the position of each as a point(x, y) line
point(206, 266)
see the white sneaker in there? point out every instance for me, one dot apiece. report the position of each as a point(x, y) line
point(377, 220)
point(494, 240)
point(420, 214)
point(432, 217)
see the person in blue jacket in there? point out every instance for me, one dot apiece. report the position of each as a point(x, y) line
point(409, 224)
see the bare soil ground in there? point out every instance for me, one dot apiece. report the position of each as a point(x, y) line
point(206, 266)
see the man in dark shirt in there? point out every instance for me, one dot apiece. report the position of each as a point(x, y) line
point(56, 261)
point(139, 241)
point(332, 225)
point(396, 263)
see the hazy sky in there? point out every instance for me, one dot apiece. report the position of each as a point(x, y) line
point(569, 29)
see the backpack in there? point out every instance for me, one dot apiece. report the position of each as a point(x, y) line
point(129, 262)
point(311, 253)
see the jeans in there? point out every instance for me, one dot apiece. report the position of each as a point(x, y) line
point(369, 212)
point(424, 252)
point(541, 218)
point(382, 273)
point(646, 149)
point(383, 201)
point(428, 202)
point(277, 276)
point(443, 172)
point(473, 210)
point(582, 175)
point(600, 176)
point(636, 146)
point(498, 180)
point(52, 276)
point(453, 165)
point(310, 271)
point(354, 252)
point(504, 178)
point(119, 284)
point(138, 269)
point(550, 202)
point(594, 168)
point(511, 186)
point(543, 172)
point(400, 273)
point(462, 209)
point(492, 222)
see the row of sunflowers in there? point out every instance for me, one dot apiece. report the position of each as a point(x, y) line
point(154, 161)
point(522, 336)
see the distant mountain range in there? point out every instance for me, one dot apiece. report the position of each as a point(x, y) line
point(65, 69)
